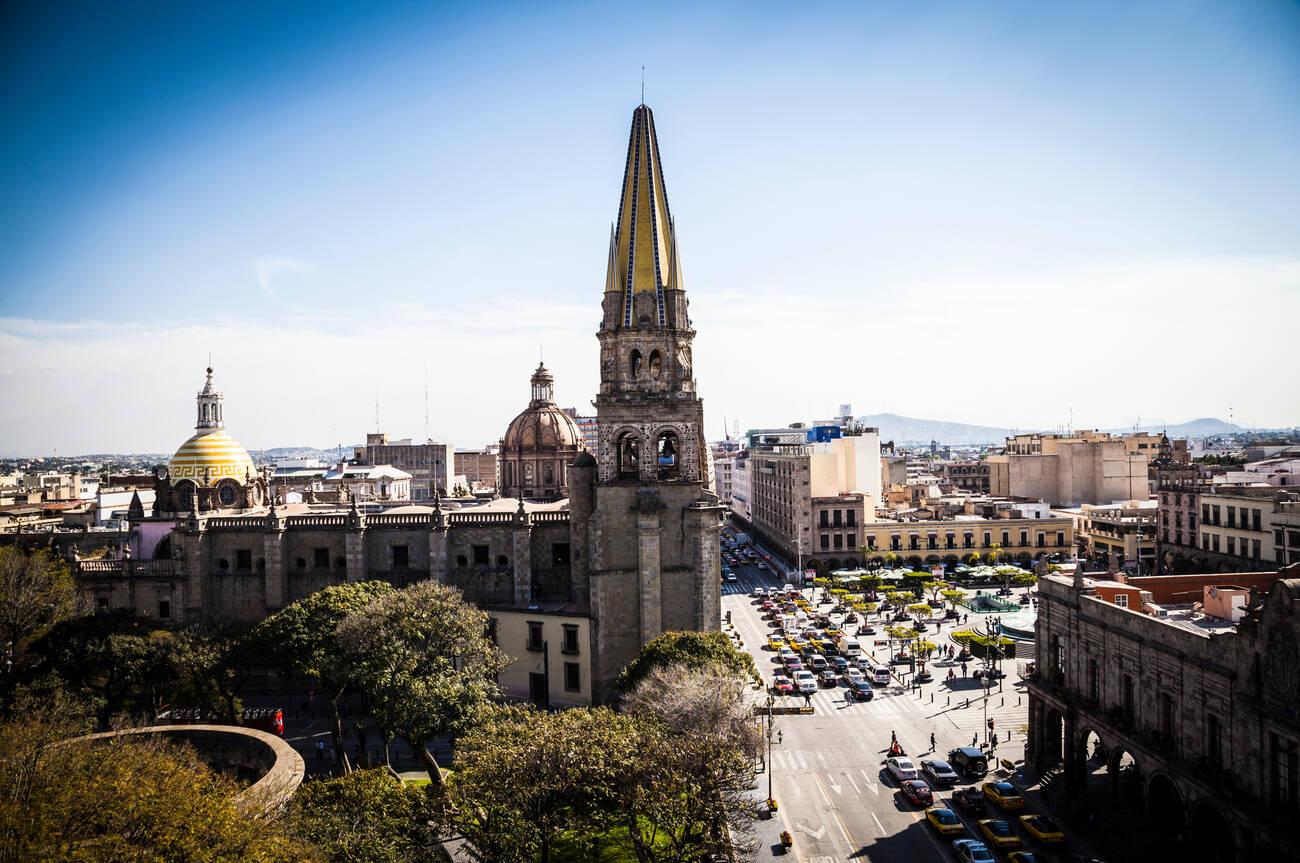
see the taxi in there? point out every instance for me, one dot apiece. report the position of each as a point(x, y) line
point(798, 644)
point(944, 821)
point(834, 632)
point(1004, 795)
point(999, 834)
point(1043, 829)
point(774, 643)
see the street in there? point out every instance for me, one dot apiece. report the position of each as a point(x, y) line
point(827, 771)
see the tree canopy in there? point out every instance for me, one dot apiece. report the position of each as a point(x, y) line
point(690, 650)
point(368, 816)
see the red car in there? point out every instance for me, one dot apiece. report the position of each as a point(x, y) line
point(917, 792)
point(782, 685)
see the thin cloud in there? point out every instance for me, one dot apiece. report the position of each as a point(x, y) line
point(268, 268)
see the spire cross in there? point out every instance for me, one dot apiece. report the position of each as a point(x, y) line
point(643, 85)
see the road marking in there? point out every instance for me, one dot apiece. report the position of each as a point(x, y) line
point(822, 789)
point(856, 790)
point(803, 765)
point(821, 756)
point(871, 784)
point(879, 826)
point(816, 834)
point(837, 788)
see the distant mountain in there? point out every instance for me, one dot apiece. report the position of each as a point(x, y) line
point(899, 429)
point(912, 429)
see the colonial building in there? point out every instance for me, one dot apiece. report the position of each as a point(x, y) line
point(1169, 707)
point(539, 445)
point(574, 588)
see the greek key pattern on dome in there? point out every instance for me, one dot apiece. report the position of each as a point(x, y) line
point(211, 472)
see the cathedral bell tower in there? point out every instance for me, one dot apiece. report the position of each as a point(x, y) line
point(643, 508)
point(650, 419)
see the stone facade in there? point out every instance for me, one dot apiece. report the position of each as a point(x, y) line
point(1172, 724)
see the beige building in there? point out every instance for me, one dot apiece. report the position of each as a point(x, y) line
point(794, 487)
point(428, 463)
point(1116, 534)
point(1068, 470)
point(953, 540)
point(1249, 526)
point(550, 651)
point(478, 467)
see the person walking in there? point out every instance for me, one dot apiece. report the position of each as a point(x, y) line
point(974, 741)
point(320, 750)
point(931, 741)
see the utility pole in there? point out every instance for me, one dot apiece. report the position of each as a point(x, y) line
point(769, 746)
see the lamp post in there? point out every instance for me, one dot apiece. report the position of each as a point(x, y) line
point(769, 747)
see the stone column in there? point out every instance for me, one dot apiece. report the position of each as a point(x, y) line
point(521, 555)
point(648, 575)
point(702, 521)
point(1070, 759)
point(1034, 746)
point(196, 575)
point(273, 576)
point(354, 546)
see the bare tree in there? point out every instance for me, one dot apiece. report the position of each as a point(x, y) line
point(36, 590)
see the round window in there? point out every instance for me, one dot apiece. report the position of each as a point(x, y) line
point(226, 494)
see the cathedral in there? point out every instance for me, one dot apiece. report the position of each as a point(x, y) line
point(574, 587)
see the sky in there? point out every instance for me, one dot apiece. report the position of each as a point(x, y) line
point(1013, 214)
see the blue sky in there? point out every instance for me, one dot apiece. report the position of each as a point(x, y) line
point(954, 210)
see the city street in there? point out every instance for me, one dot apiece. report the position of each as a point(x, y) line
point(827, 770)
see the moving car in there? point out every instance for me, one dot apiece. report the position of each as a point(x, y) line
point(901, 767)
point(852, 677)
point(970, 801)
point(945, 822)
point(828, 678)
point(1024, 857)
point(972, 851)
point(805, 682)
point(759, 593)
point(775, 643)
point(818, 663)
point(880, 675)
point(917, 792)
point(729, 576)
point(1043, 828)
point(782, 685)
point(797, 644)
point(862, 691)
point(1005, 795)
point(841, 664)
point(794, 663)
point(786, 653)
point(999, 834)
point(939, 773)
point(969, 761)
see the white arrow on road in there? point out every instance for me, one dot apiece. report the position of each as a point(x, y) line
point(871, 785)
point(816, 834)
point(831, 782)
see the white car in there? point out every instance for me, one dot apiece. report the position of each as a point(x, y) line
point(804, 681)
point(789, 588)
point(901, 767)
point(786, 654)
point(853, 675)
point(863, 663)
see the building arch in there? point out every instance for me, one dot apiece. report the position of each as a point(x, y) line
point(634, 362)
point(628, 445)
point(1165, 808)
point(667, 454)
point(656, 365)
point(1126, 783)
point(1211, 837)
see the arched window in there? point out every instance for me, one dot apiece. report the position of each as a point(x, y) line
point(634, 364)
point(656, 365)
point(667, 452)
point(548, 474)
point(227, 493)
point(528, 473)
point(629, 456)
point(184, 495)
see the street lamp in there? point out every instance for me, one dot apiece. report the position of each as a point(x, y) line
point(769, 748)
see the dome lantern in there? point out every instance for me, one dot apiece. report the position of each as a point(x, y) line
point(209, 407)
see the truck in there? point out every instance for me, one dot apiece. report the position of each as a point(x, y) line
point(849, 647)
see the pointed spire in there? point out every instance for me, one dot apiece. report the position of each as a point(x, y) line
point(642, 253)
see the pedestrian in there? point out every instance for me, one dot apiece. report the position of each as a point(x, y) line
point(963, 669)
point(320, 749)
point(780, 736)
point(975, 740)
point(931, 741)
point(807, 699)
point(893, 739)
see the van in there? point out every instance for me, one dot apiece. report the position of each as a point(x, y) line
point(880, 675)
point(849, 647)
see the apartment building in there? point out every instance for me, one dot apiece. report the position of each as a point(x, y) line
point(1069, 470)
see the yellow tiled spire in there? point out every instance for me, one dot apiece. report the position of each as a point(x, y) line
point(643, 249)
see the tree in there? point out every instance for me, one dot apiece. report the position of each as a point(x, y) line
point(934, 587)
point(920, 612)
point(367, 816)
point(1024, 579)
point(691, 650)
point(36, 591)
point(923, 649)
point(134, 798)
point(891, 559)
point(214, 659)
point(524, 777)
point(423, 656)
point(871, 583)
point(973, 558)
point(301, 639)
point(690, 794)
point(953, 597)
point(994, 554)
point(902, 634)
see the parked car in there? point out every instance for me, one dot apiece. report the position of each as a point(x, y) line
point(972, 851)
point(917, 792)
point(939, 773)
point(880, 675)
point(1005, 795)
point(969, 761)
point(901, 768)
point(945, 822)
point(805, 682)
point(999, 834)
point(1031, 857)
point(1043, 828)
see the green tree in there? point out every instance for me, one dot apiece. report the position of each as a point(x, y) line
point(923, 650)
point(1024, 579)
point(934, 587)
point(901, 634)
point(891, 559)
point(423, 656)
point(301, 639)
point(953, 597)
point(691, 650)
point(367, 816)
point(523, 778)
point(871, 583)
point(36, 591)
point(214, 660)
point(920, 612)
point(994, 554)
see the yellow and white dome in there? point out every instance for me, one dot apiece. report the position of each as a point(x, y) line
point(209, 457)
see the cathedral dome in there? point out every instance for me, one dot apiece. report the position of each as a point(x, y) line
point(539, 445)
point(210, 456)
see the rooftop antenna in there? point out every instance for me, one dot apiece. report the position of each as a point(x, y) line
point(426, 398)
point(376, 416)
point(642, 85)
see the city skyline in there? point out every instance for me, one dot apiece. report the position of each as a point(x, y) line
point(326, 244)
